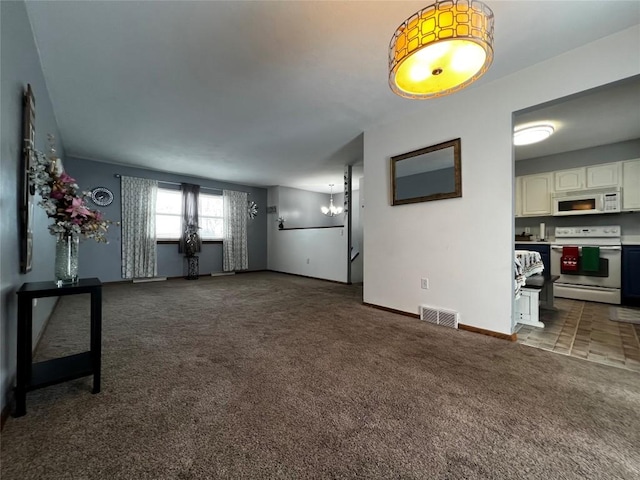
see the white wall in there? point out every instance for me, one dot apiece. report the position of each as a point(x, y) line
point(465, 245)
point(288, 250)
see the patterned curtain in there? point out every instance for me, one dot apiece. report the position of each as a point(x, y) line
point(190, 218)
point(138, 227)
point(234, 243)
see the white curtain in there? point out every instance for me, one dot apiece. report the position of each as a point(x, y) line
point(138, 227)
point(234, 243)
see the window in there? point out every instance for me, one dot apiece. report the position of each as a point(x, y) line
point(169, 215)
point(210, 211)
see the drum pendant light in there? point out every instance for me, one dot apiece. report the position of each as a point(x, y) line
point(441, 49)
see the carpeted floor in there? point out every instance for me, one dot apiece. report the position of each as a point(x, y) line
point(274, 376)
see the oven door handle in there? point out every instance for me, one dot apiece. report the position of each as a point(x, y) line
point(559, 247)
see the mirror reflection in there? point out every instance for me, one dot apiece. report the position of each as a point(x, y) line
point(431, 173)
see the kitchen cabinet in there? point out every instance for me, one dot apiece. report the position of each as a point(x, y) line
point(544, 249)
point(568, 180)
point(536, 194)
point(631, 274)
point(603, 176)
point(518, 198)
point(631, 185)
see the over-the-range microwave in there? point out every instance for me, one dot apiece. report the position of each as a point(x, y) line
point(585, 202)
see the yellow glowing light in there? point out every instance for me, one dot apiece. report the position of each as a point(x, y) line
point(441, 49)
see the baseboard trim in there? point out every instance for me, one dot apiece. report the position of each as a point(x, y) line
point(150, 279)
point(513, 337)
point(391, 310)
point(308, 276)
point(503, 336)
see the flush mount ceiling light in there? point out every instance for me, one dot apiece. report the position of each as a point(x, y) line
point(441, 49)
point(532, 134)
point(331, 210)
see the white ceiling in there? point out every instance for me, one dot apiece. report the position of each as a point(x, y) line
point(604, 115)
point(261, 93)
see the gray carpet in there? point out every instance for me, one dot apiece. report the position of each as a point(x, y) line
point(273, 376)
point(624, 314)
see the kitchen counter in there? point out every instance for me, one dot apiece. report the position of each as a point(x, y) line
point(532, 242)
point(630, 239)
point(625, 240)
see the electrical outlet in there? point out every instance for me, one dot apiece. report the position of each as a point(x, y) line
point(424, 283)
point(527, 229)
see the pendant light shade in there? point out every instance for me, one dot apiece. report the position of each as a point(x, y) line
point(441, 49)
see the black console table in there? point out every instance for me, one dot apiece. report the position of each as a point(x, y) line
point(42, 374)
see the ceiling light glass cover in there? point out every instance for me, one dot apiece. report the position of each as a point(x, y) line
point(441, 49)
point(331, 210)
point(532, 134)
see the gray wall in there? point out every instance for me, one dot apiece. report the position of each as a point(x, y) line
point(20, 65)
point(615, 152)
point(103, 261)
point(428, 183)
point(301, 208)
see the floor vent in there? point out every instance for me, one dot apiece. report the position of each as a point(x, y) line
point(439, 316)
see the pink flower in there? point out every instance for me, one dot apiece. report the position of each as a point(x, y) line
point(65, 178)
point(57, 194)
point(77, 208)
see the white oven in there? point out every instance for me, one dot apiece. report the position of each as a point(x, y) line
point(600, 284)
point(586, 202)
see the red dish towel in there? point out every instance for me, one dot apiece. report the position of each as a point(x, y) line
point(569, 260)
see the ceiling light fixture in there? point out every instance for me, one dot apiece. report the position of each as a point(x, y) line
point(331, 210)
point(441, 49)
point(532, 134)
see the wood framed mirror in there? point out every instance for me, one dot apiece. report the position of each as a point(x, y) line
point(431, 173)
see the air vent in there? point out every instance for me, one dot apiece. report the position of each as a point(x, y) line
point(439, 316)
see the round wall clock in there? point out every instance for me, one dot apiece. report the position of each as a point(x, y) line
point(102, 196)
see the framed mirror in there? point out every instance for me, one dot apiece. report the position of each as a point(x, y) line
point(431, 173)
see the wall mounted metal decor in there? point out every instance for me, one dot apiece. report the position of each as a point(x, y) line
point(102, 196)
point(253, 210)
point(27, 190)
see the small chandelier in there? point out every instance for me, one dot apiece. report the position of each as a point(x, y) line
point(441, 49)
point(331, 210)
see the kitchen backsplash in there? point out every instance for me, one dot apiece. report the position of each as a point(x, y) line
point(629, 223)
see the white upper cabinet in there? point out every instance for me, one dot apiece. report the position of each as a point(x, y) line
point(631, 185)
point(518, 198)
point(567, 180)
point(602, 176)
point(536, 194)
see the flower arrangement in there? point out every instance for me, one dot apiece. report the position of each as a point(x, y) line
point(61, 200)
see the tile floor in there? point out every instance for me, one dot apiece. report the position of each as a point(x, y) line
point(583, 329)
